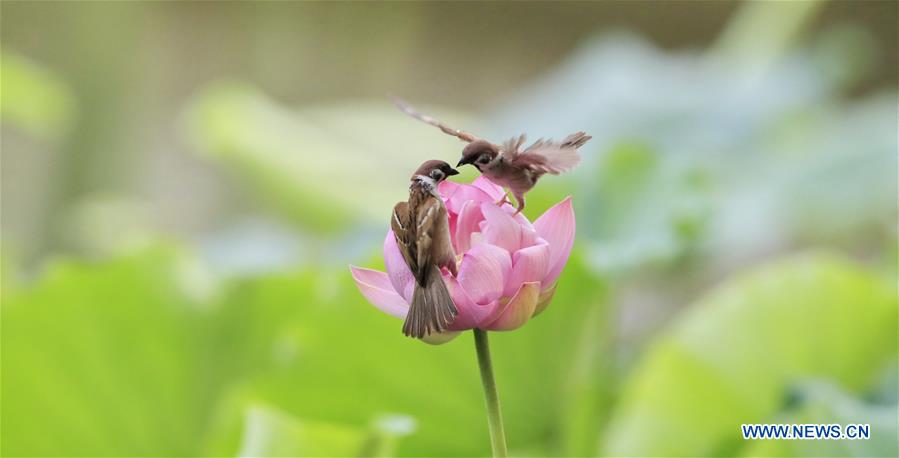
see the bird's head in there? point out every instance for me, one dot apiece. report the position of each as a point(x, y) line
point(435, 170)
point(478, 153)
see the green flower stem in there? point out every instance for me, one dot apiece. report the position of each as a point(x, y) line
point(494, 415)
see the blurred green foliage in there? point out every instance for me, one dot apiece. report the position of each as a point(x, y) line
point(141, 356)
point(33, 98)
point(138, 356)
point(820, 402)
point(310, 163)
point(811, 317)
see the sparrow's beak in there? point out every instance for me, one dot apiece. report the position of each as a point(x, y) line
point(452, 172)
point(463, 161)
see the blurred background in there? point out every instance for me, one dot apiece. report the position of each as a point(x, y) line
point(184, 185)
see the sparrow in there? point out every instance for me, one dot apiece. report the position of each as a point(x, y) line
point(421, 228)
point(509, 165)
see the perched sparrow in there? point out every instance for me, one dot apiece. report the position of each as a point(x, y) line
point(509, 165)
point(422, 234)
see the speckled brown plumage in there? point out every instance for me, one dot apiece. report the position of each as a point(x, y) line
point(421, 228)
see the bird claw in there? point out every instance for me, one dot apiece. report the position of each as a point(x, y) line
point(520, 205)
point(452, 269)
point(505, 200)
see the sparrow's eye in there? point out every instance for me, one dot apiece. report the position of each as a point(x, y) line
point(483, 159)
point(436, 174)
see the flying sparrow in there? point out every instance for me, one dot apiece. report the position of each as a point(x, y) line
point(422, 233)
point(509, 165)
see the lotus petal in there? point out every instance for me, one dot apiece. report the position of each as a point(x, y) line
point(484, 271)
point(546, 296)
point(440, 338)
point(470, 312)
point(468, 222)
point(500, 229)
point(557, 227)
point(376, 287)
point(518, 310)
point(400, 276)
point(528, 265)
point(456, 194)
point(493, 190)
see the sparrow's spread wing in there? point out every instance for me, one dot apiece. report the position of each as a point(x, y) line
point(404, 231)
point(547, 156)
point(406, 108)
point(511, 148)
point(425, 232)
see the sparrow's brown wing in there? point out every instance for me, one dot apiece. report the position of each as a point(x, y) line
point(425, 231)
point(513, 154)
point(406, 108)
point(512, 148)
point(404, 231)
point(547, 156)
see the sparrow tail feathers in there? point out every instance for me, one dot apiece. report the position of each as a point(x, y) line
point(560, 160)
point(566, 157)
point(432, 308)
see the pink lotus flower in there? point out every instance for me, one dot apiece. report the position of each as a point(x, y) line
point(507, 270)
